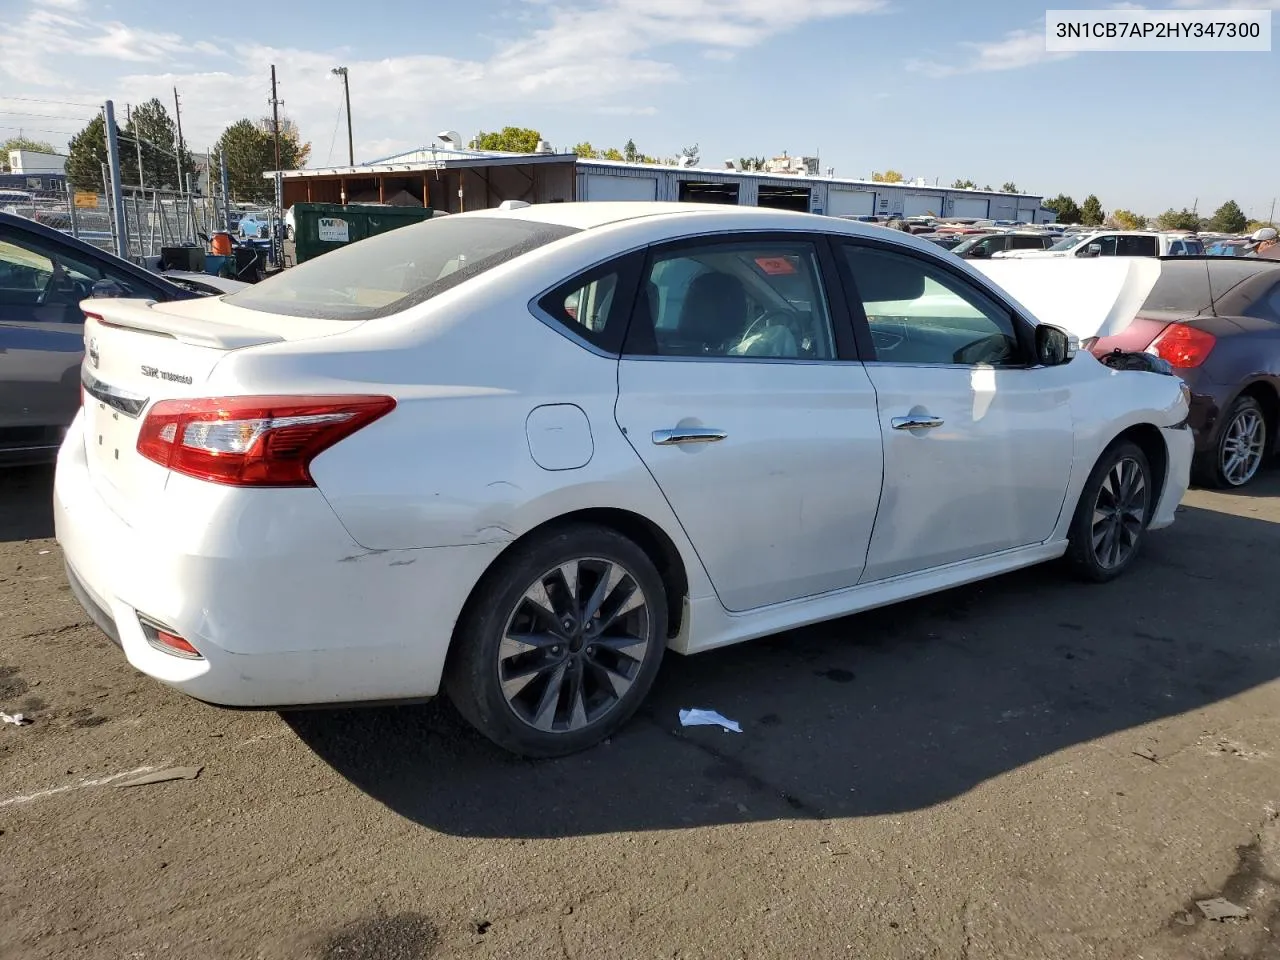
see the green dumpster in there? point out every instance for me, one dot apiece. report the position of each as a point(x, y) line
point(321, 227)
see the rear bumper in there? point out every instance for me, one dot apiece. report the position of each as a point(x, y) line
point(285, 608)
point(1180, 443)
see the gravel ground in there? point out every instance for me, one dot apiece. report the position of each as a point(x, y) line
point(1026, 768)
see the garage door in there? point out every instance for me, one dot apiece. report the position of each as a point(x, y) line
point(1003, 210)
point(918, 206)
point(850, 203)
point(1027, 214)
point(601, 186)
point(970, 207)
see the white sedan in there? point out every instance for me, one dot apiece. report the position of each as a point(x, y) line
point(516, 455)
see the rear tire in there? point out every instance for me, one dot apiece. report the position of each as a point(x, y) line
point(1111, 516)
point(560, 643)
point(1242, 445)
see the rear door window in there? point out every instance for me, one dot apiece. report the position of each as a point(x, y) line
point(1136, 246)
point(1027, 243)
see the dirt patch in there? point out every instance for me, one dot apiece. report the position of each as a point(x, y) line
point(403, 936)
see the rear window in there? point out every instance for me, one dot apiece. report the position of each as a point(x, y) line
point(394, 271)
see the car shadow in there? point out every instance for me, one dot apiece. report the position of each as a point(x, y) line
point(883, 712)
point(27, 497)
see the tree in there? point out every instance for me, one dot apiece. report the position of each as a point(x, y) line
point(1064, 207)
point(988, 188)
point(297, 151)
point(613, 153)
point(629, 152)
point(586, 151)
point(151, 127)
point(1253, 225)
point(1009, 187)
point(1183, 219)
point(510, 140)
point(690, 155)
point(1229, 218)
point(964, 185)
point(22, 143)
point(1126, 220)
point(889, 176)
point(86, 155)
point(250, 152)
point(1091, 212)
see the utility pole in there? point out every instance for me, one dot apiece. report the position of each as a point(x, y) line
point(177, 117)
point(1271, 217)
point(113, 167)
point(275, 115)
point(346, 92)
point(226, 191)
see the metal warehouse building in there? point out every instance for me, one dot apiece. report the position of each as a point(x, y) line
point(612, 180)
point(456, 180)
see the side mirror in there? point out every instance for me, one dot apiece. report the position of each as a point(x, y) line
point(1095, 249)
point(1054, 346)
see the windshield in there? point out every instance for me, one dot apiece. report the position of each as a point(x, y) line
point(1066, 243)
point(392, 271)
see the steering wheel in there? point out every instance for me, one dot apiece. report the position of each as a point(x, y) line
point(786, 318)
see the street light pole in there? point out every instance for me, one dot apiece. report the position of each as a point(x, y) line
point(346, 92)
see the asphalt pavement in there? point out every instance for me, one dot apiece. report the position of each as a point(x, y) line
point(1029, 767)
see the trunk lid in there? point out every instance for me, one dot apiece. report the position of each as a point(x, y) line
point(138, 352)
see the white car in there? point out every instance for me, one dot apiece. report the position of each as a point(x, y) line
point(1114, 243)
point(515, 455)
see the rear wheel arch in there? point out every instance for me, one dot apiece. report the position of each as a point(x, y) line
point(641, 531)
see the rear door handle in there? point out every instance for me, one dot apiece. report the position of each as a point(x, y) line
point(679, 435)
point(916, 423)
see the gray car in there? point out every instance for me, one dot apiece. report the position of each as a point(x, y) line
point(44, 274)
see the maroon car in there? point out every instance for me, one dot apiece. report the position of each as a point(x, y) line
point(1216, 320)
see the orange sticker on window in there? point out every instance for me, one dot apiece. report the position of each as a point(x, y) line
point(775, 266)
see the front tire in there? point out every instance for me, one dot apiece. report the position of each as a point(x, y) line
point(1241, 447)
point(1111, 516)
point(560, 643)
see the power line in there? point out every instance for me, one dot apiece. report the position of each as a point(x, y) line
point(68, 133)
point(65, 103)
point(42, 116)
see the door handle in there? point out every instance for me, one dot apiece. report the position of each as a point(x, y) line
point(669, 438)
point(916, 423)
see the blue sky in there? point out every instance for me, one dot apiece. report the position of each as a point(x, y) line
point(931, 88)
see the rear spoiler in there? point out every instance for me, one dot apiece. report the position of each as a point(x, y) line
point(146, 316)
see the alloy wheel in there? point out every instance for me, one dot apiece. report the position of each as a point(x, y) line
point(1119, 513)
point(573, 645)
point(1243, 441)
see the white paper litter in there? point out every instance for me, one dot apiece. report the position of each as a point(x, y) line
point(707, 718)
point(16, 719)
point(1220, 909)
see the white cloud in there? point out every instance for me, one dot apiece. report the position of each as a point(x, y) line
point(1017, 49)
point(594, 54)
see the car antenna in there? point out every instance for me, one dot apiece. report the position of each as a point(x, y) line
point(1208, 275)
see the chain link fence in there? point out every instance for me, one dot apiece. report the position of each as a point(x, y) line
point(153, 219)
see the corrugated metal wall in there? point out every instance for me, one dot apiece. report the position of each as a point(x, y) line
point(890, 197)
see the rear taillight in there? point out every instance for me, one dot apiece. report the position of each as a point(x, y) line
point(253, 441)
point(1183, 346)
